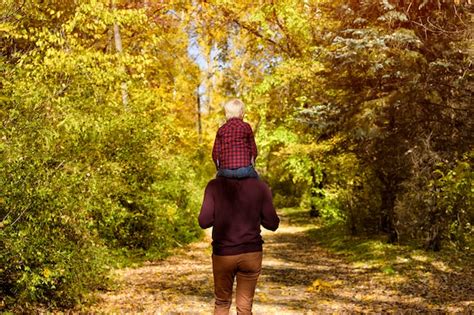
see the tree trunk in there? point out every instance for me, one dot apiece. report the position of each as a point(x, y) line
point(199, 124)
point(387, 217)
point(314, 212)
point(433, 242)
point(119, 49)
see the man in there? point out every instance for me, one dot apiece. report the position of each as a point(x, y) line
point(236, 208)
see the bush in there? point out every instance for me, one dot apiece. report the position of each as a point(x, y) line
point(438, 201)
point(84, 175)
point(64, 209)
point(351, 195)
point(48, 251)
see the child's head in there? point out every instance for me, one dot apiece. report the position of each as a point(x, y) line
point(234, 109)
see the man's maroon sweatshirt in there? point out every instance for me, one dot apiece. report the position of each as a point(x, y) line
point(236, 208)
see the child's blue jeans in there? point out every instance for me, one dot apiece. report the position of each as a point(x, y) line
point(247, 171)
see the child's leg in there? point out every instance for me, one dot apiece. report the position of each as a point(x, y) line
point(242, 172)
point(226, 172)
point(250, 172)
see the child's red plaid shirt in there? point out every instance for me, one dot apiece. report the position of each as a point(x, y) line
point(234, 145)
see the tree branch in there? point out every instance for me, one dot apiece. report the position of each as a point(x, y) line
point(253, 31)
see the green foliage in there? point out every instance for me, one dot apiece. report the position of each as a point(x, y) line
point(375, 253)
point(288, 168)
point(437, 203)
point(351, 195)
point(350, 94)
point(85, 175)
point(362, 113)
point(49, 251)
point(456, 201)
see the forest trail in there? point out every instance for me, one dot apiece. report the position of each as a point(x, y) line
point(298, 277)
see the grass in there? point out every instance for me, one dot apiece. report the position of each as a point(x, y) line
point(123, 257)
point(373, 251)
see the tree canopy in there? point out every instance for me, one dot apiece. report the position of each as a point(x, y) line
point(362, 112)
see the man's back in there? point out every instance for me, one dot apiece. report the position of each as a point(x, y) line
point(236, 208)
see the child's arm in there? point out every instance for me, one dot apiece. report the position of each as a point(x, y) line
point(253, 146)
point(216, 149)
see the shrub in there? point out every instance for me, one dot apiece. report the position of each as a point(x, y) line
point(437, 203)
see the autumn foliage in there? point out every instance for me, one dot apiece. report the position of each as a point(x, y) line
point(362, 112)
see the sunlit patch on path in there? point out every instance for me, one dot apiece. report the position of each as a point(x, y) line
point(298, 277)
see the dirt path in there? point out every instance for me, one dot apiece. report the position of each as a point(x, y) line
point(298, 277)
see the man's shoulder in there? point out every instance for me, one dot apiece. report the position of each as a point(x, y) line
point(212, 182)
point(258, 185)
point(250, 181)
point(261, 183)
point(252, 184)
point(247, 180)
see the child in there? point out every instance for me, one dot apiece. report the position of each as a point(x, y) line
point(234, 150)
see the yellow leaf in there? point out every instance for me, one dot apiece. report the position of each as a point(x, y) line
point(319, 285)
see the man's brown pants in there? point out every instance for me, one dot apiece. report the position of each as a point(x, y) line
point(247, 268)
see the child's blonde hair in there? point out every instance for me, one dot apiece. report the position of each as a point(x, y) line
point(234, 109)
